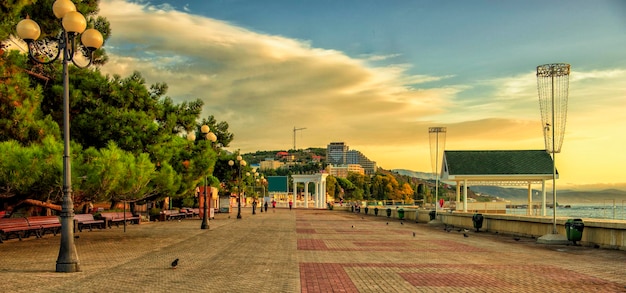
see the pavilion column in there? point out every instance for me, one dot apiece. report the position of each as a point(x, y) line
point(323, 192)
point(306, 194)
point(315, 197)
point(318, 192)
point(543, 197)
point(458, 193)
point(321, 195)
point(529, 211)
point(465, 195)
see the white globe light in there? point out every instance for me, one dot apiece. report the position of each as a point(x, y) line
point(62, 7)
point(74, 22)
point(28, 30)
point(92, 39)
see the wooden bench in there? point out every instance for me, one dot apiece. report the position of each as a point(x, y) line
point(87, 220)
point(16, 227)
point(45, 224)
point(188, 212)
point(116, 218)
point(173, 215)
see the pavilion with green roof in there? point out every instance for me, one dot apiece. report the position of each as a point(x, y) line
point(500, 168)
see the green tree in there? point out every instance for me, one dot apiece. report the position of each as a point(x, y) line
point(331, 187)
point(21, 118)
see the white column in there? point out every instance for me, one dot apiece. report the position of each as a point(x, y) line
point(316, 195)
point(543, 197)
point(306, 194)
point(529, 211)
point(318, 190)
point(465, 195)
point(325, 199)
point(458, 193)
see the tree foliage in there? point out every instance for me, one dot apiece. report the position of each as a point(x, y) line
point(128, 138)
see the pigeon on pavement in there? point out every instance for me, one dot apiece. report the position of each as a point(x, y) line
point(174, 263)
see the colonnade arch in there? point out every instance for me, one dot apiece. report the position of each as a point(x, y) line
point(319, 197)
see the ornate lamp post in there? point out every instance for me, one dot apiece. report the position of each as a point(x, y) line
point(210, 136)
point(241, 163)
point(553, 89)
point(74, 24)
point(436, 155)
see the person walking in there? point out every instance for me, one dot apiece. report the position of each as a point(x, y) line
point(265, 206)
point(290, 204)
point(254, 203)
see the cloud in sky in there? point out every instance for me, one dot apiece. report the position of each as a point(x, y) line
point(263, 85)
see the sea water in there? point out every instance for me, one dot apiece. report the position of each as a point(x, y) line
point(599, 211)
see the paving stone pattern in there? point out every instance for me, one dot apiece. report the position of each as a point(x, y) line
point(307, 251)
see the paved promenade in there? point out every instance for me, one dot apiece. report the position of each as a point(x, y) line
point(307, 251)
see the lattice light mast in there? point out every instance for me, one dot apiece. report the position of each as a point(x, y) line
point(437, 138)
point(553, 88)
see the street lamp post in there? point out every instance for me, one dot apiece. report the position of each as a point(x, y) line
point(241, 164)
point(210, 136)
point(74, 24)
point(436, 149)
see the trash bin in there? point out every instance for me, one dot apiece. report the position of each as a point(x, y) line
point(477, 219)
point(574, 229)
point(433, 215)
point(388, 212)
point(375, 211)
point(366, 210)
point(401, 214)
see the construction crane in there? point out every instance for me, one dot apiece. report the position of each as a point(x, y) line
point(294, 136)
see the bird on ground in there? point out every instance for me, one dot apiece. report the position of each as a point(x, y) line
point(465, 230)
point(401, 223)
point(174, 263)
point(353, 226)
point(413, 234)
point(465, 235)
point(387, 223)
point(516, 238)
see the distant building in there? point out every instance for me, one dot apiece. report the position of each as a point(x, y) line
point(341, 171)
point(356, 157)
point(270, 164)
point(336, 153)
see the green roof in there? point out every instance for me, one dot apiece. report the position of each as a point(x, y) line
point(519, 162)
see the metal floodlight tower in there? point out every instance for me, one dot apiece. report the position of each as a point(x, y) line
point(437, 138)
point(553, 88)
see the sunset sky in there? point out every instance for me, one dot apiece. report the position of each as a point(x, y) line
point(377, 74)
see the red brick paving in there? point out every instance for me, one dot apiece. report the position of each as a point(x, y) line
point(388, 258)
